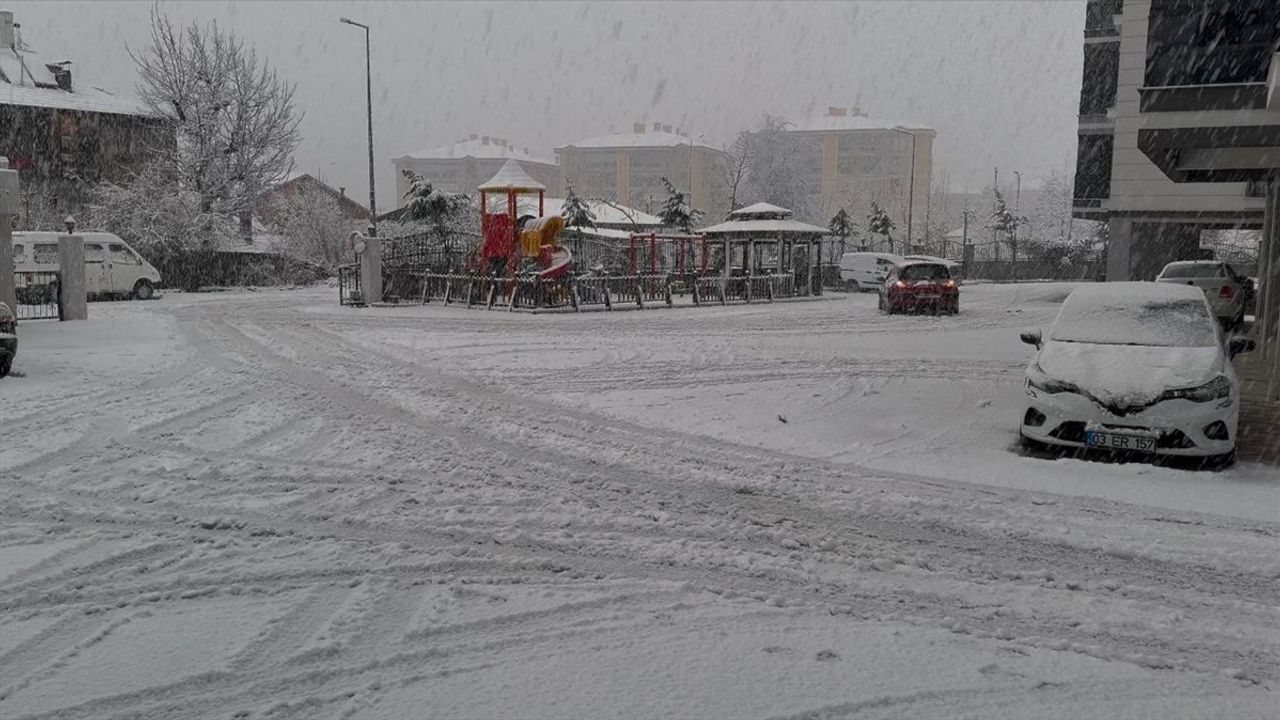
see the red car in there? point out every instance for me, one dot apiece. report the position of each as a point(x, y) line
point(920, 287)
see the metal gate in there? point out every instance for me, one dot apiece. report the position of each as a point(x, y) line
point(37, 295)
point(349, 286)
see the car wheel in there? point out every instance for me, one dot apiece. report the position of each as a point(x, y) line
point(143, 290)
point(6, 363)
point(853, 286)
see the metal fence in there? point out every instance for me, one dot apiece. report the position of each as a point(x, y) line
point(349, 285)
point(37, 295)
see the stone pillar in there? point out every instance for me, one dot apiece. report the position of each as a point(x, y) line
point(71, 289)
point(371, 270)
point(8, 212)
point(1121, 237)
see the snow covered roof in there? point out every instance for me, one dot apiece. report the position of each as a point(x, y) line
point(476, 147)
point(829, 123)
point(761, 211)
point(606, 213)
point(763, 227)
point(26, 80)
point(512, 177)
point(657, 138)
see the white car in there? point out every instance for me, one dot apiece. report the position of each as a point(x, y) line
point(1225, 290)
point(866, 271)
point(1138, 367)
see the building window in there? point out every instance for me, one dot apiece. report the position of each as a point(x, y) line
point(1093, 169)
point(1211, 42)
point(1101, 69)
point(1100, 18)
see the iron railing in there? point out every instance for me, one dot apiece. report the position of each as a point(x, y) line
point(37, 295)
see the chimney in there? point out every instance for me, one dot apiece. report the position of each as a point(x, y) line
point(837, 112)
point(7, 39)
point(637, 128)
point(342, 191)
point(61, 74)
point(484, 140)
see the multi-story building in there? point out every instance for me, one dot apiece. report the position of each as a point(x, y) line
point(1161, 78)
point(462, 166)
point(63, 137)
point(848, 160)
point(628, 168)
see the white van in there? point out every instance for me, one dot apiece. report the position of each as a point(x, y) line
point(866, 271)
point(111, 267)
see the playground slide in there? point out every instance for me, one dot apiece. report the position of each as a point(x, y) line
point(556, 260)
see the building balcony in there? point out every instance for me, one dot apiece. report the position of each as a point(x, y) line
point(1181, 98)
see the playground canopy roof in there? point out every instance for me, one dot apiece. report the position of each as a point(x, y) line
point(763, 220)
point(512, 177)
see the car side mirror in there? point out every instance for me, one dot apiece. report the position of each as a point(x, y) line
point(1031, 337)
point(1240, 344)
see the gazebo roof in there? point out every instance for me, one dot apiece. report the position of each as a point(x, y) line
point(764, 227)
point(512, 177)
point(761, 211)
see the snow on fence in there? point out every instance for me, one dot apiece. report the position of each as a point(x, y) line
point(603, 291)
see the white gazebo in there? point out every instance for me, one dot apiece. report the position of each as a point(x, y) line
point(762, 238)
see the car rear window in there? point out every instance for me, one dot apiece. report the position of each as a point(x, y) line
point(924, 272)
point(1173, 322)
point(1193, 270)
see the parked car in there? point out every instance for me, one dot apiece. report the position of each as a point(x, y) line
point(954, 267)
point(919, 287)
point(8, 338)
point(866, 271)
point(1225, 290)
point(1138, 367)
point(111, 267)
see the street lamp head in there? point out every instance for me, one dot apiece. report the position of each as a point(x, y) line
point(349, 21)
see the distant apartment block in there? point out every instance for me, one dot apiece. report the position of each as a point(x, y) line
point(1163, 78)
point(628, 168)
point(848, 160)
point(462, 166)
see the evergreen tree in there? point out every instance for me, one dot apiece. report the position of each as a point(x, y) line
point(842, 227)
point(676, 212)
point(577, 213)
point(427, 204)
point(879, 223)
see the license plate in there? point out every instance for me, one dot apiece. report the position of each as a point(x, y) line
point(1120, 441)
point(927, 297)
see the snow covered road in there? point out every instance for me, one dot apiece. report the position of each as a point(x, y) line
point(263, 505)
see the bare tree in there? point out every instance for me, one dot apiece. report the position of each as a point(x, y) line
point(738, 155)
point(314, 229)
point(235, 125)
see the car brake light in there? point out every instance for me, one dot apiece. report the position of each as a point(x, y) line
point(1226, 292)
point(899, 284)
point(949, 284)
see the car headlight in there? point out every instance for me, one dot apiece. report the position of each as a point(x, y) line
point(1218, 387)
point(1042, 382)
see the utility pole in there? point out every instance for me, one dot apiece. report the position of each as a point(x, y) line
point(911, 185)
point(368, 85)
point(1013, 233)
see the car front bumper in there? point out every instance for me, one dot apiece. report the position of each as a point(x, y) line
point(1181, 424)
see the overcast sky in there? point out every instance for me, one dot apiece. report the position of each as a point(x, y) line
point(1000, 81)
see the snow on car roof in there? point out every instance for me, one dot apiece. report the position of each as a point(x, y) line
point(1136, 313)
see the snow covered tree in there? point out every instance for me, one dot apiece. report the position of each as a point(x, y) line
point(773, 168)
point(234, 122)
point(841, 226)
point(577, 213)
point(738, 156)
point(675, 209)
point(880, 223)
point(427, 204)
point(314, 228)
point(1004, 220)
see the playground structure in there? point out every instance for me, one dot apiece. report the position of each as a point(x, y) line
point(519, 262)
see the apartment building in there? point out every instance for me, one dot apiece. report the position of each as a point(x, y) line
point(849, 160)
point(628, 168)
point(1169, 87)
point(461, 167)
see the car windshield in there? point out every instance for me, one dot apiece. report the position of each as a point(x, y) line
point(1156, 322)
point(924, 272)
point(1193, 270)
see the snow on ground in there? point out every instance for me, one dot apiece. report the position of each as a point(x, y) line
point(264, 505)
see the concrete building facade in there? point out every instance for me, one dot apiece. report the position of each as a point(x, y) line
point(628, 168)
point(460, 167)
point(848, 160)
point(1154, 67)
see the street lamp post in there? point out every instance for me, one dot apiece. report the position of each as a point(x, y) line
point(368, 85)
point(911, 183)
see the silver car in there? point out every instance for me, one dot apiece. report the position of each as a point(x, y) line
point(1222, 287)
